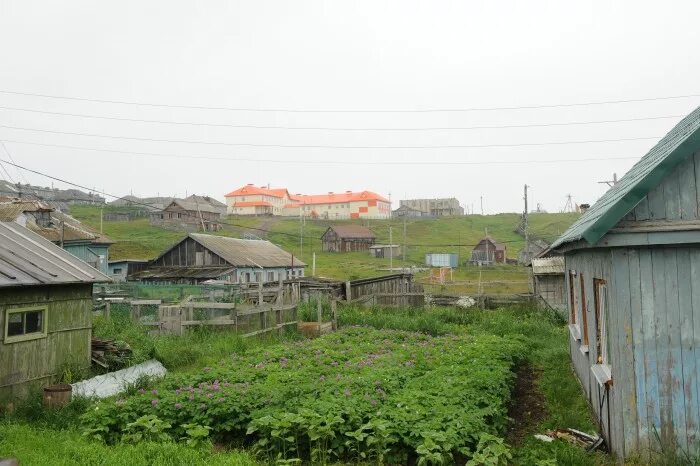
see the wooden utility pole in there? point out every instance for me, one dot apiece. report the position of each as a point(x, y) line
point(404, 240)
point(101, 218)
point(391, 250)
point(526, 228)
point(481, 200)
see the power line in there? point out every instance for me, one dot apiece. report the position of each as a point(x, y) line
point(323, 146)
point(305, 110)
point(323, 162)
point(55, 178)
point(328, 128)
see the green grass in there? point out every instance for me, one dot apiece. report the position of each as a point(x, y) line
point(40, 446)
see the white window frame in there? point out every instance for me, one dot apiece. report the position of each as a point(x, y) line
point(574, 328)
point(601, 370)
point(26, 336)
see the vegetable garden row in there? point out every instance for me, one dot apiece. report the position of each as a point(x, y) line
point(356, 395)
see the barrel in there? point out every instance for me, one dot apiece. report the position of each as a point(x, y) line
point(56, 396)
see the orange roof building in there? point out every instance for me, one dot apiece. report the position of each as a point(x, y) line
point(253, 200)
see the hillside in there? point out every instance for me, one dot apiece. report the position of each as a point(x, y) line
point(139, 240)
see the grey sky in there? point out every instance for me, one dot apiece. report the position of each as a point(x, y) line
point(345, 56)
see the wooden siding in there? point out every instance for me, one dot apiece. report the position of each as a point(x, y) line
point(185, 254)
point(37, 362)
point(653, 326)
point(552, 289)
point(676, 198)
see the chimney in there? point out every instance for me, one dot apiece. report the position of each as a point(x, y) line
point(583, 207)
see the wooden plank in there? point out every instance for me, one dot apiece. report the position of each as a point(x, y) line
point(638, 349)
point(641, 212)
point(695, 283)
point(212, 305)
point(687, 352)
point(675, 366)
point(663, 353)
point(672, 196)
point(146, 302)
point(688, 190)
point(650, 361)
point(657, 204)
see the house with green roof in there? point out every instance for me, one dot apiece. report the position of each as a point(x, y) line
point(632, 266)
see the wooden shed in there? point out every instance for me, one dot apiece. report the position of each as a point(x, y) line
point(633, 285)
point(488, 251)
point(189, 214)
point(548, 282)
point(200, 257)
point(45, 310)
point(385, 250)
point(347, 238)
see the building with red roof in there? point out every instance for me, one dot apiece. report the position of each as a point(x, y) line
point(253, 200)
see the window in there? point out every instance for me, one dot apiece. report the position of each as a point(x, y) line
point(600, 296)
point(25, 324)
point(572, 298)
point(584, 318)
point(270, 276)
point(117, 271)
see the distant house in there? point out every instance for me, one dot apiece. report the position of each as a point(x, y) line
point(61, 229)
point(434, 207)
point(45, 310)
point(347, 238)
point(188, 215)
point(632, 266)
point(200, 257)
point(488, 252)
point(549, 283)
point(58, 198)
point(120, 270)
point(406, 211)
point(385, 250)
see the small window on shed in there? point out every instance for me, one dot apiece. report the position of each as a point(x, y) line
point(584, 317)
point(600, 295)
point(25, 324)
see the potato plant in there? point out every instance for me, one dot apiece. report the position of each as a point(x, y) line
point(359, 394)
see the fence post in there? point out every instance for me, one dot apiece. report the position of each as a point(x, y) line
point(108, 308)
point(319, 311)
point(334, 312)
point(348, 291)
point(260, 292)
point(280, 291)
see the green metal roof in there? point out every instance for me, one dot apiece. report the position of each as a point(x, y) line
point(681, 142)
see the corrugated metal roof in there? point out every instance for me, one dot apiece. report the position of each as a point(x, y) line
point(548, 265)
point(247, 252)
point(681, 142)
point(352, 231)
point(204, 273)
point(27, 259)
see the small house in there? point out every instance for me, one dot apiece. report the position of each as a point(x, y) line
point(188, 215)
point(61, 229)
point(385, 250)
point(201, 257)
point(120, 270)
point(548, 282)
point(442, 260)
point(409, 212)
point(347, 238)
point(632, 265)
point(45, 310)
point(488, 252)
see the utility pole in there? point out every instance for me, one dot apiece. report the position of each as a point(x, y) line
point(610, 183)
point(301, 231)
point(481, 199)
point(101, 218)
point(526, 227)
point(404, 240)
point(391, 250)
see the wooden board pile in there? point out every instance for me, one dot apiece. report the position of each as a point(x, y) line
point(110, 354)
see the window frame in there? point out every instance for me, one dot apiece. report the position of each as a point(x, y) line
point(7, 339)
point(584, 319)
point(602, 370)
point(574, 328)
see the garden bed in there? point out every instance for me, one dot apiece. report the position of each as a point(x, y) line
point(357, 394)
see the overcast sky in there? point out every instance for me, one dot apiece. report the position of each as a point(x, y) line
point(223, 56)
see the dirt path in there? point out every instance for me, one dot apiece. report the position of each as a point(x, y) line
point(528, 408)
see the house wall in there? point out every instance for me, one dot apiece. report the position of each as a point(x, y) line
point(331, 242)
point(248, 274)
point(97, 255)
point(653, 321)
point(69, 329)
point(188, 253)
point(552, 289)
point(277, 204)
point(190, 220)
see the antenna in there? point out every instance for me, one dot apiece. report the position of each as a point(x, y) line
point(610, 183)
point(569, 206)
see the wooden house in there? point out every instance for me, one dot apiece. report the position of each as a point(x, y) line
point(347, 238)
point(200, 257)
point(385, 250)
point(632, 266)
point(45, 310)
point(488, 252)
point(120, 270)
point(188, 215)
point(61, 229)
point(548, 282)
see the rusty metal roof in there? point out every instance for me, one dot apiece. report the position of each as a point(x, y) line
point(247, 252)
point(27, 259)
point(351, 231)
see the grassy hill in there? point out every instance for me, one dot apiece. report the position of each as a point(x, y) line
point(139, 240)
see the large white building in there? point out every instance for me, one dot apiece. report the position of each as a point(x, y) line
point(253, 200)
